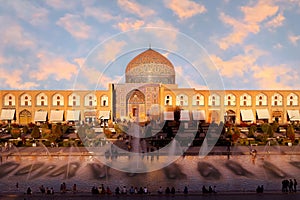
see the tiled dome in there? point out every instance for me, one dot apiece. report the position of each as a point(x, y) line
point(150, 67)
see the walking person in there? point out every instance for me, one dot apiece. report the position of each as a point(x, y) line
point(295, 185)
point(291, 185)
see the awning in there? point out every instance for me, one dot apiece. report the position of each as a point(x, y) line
point(104, 114)
point(56, 115)
point(73, 115)
point(184, 115)
point(168, 115)
point(247, 115)
point(8, 114)
point(40, 116)
point(262, 113)
point(198, 114)
point(294, 115)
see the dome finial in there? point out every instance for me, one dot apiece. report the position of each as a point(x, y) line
point(149, 45)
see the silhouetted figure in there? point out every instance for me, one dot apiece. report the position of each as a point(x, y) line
point(210, 190)
point(295, 185)
point(172, 190)
point(168, 191)
point(185, 191)
point(29, 191)
point(204, 190)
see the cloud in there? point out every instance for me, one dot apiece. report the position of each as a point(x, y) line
point(294, 39)
point(238, 65)
point(54, 66)
point(13, 35)
point(16, 82)
point(75, 26)
point(62, 4)
point(135, 8)
point(110, 51)
point(276, 21)
point(100, 14)
point(275, 77)
point(185, 9)
point(29, 12)
point(129, 24)
point(253, 16)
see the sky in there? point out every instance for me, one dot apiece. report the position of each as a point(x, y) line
point(80, 44)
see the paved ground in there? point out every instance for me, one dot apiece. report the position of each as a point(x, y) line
point(220, 196)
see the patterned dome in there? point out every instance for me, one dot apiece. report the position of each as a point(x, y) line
point(150, 67)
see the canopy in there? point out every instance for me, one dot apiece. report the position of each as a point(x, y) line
point(184, 115)
point(247, 115)
point(8, 114)
point(73, 115)
point(56, 115)
point(168, 115)
point(262, 113)
point(294, 115)
point(198, 114)
point(104, 114)
point(40, 116)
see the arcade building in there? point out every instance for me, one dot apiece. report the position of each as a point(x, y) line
point(149, 92)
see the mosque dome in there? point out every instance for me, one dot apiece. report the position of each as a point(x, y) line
point(150, 67)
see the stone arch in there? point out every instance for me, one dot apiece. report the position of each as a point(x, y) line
point(25, 117)
point(136, 104)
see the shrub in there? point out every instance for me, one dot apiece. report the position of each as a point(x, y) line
point(15, 133)
point(290, 132)
point(35, 132)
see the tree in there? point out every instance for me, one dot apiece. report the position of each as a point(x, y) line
point(290, 132)
point(35, 133)
point(252, 130)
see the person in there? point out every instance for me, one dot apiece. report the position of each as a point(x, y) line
point(210, 190)
point(291, 185)
point(124, 190)
point(108, 191)
point(117, 190)
point(204, 190)
point(215, 190)
point(185, 190)
point(145, 190)
point(74, 188)
point(29, 191)
point(295, 185)
point(42, 189)
point(160, 190)
point(172, 190)
point(17, 186)
point(167, 190)
point(131, 190)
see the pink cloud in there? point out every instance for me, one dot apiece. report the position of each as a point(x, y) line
point(110, 51)
point(254, 15)
point(129, 24)
point(185, 9)
point(16, 82)
point(100, 14)
point(276, 21)
point(135, 8)
point(75, 26)
point(62, 4)
point(56, 66)
point(294, 39)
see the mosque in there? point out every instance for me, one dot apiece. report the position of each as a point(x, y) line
point(149, 92)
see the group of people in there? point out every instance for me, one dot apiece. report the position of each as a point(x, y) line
point(289, 185)
point(210, 190)
point(134, 190)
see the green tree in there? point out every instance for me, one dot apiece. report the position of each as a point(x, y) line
point(251, 132)
point(35, 132)
point(290, 132)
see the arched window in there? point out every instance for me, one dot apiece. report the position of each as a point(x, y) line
point(42, 99)
point(198, 100)
point(9, 100)
point(292, 100)
point(25, 100)
point(261, 100)
point(104, 100)
point(90, 100)
point(214, 100)
point(168, 100)
point(245, 100)
point(230, 100)
point(74, 100)
point(277, 99)
point(58, 100)
point(182, 100)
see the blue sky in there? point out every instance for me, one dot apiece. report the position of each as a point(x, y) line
point(57, 44)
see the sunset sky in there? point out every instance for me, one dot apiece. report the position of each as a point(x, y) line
point(57, 44)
